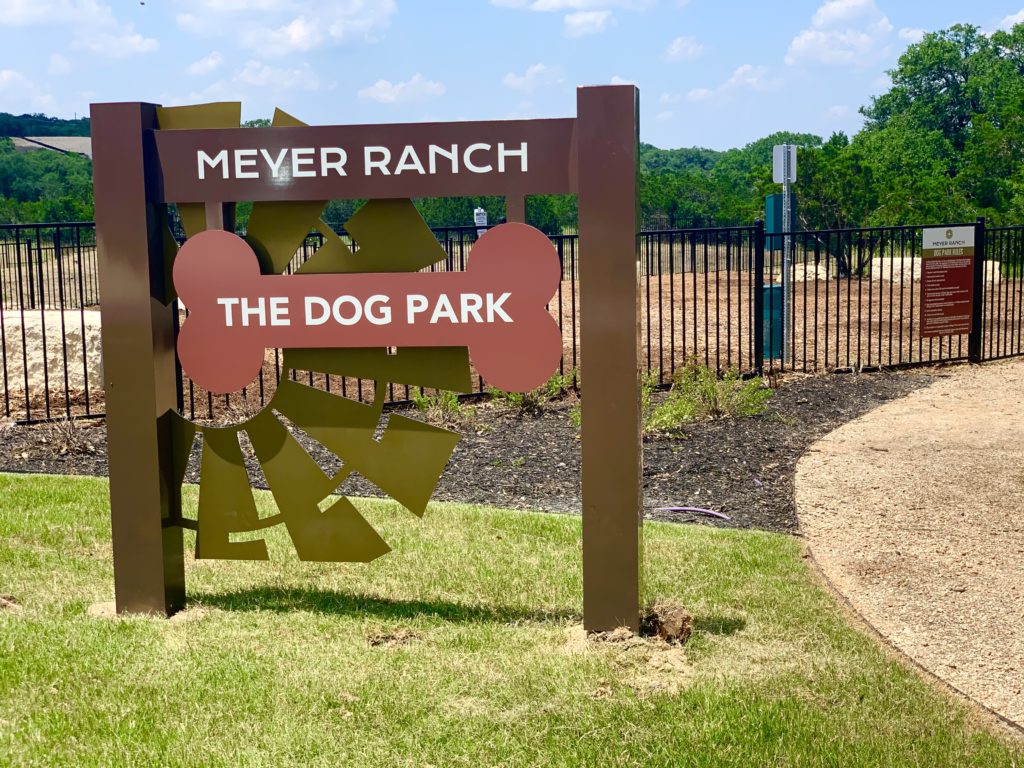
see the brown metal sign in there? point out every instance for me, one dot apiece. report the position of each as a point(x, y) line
point(947, 281)
point(371, 312)
point(496, 308)
point(513, 157)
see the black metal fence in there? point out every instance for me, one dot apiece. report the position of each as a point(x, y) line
point(713, 296)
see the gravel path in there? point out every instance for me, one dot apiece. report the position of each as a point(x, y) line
point(915, 512)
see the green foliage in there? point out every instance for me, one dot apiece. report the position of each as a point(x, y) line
point(41, 125)
point(555, 388)
point(443, 408)
point(42, 186)
point(698, 393)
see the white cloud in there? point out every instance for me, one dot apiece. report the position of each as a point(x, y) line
point(745, 77)
point(1012, 20)
point(843, 33)
point(571, 5)
point(418, 88)
point(19, 94)
point(752, 77)
point(205, 65)
point(911, 34)
point(619, 80)
point(262, 75)
point(527, 82)
point(838, 112)
point(117, 43)
point(59, 65)
point(583, 23)
point(683, 48)
point(95, 28)
point(283, 27)
point(664, 116)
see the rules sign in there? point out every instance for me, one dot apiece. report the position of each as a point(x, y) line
point(947, 281)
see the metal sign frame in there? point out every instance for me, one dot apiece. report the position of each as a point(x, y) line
point(140, 167)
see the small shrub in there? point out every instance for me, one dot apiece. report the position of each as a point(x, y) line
point(555, 388)
point(442, 408)
point(698, 393)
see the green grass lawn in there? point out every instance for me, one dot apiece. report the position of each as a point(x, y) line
point(462, 647)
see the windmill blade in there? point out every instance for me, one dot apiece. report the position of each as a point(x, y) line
point(393, 237)
point(433, 367)
point(225, 501)
point(220, 114)
point(276, 230)
point(405, 463)
point(298, 486)
point(333, 257)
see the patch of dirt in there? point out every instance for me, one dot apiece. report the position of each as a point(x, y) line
point(10, 604)
point(669, 620)
point(394, 639)
point(743, 468)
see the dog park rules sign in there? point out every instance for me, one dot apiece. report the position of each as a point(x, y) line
point(947, 281)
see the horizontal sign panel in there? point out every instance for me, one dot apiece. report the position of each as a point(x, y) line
point(513, 157)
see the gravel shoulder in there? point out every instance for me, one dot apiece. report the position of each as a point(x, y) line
point(913, 512)
point(741, 468)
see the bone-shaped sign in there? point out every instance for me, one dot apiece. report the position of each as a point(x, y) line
point(496, 308)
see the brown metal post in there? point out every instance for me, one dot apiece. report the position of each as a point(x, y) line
point(515, 208)
point(138, 362)
point(608, 148)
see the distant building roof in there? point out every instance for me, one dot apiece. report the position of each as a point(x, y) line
point(77, 145)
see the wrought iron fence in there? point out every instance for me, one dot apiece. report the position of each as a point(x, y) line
point(707, 295)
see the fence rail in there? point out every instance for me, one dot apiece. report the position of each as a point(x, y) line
point(710, 295)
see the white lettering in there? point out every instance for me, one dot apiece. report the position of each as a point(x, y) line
point(259, 311)
point(467, 158)
point(334, 165)
point(494, 307)
point(382, 164)
point(228, 304)
point(357, 312)
point(503, 153)
point(470, 305)
point(221, 159)
point(275, 165)
point(409, 161)
point(415, 303)
point(443, 309)
point(300, 159)
point(382, 317)
point(279, 310)
point(322, 305)
point(245, 158)
point(453, 156)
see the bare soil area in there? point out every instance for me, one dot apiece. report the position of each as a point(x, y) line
point(913, 512)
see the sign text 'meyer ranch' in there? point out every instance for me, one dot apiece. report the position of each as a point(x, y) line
point(510, 157)
point(308, 162)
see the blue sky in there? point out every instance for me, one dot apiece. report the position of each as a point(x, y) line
point(713, 73)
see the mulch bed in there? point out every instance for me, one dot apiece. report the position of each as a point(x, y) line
point(743, 468)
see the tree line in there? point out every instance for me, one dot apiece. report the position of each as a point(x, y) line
point(942, 144)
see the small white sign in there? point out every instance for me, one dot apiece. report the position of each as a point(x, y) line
point(782, 153)
point(948, 237)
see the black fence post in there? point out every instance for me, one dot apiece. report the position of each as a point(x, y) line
point(974, 344)
point(759, 297)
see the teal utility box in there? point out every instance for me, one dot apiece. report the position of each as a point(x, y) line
point(772, 322)
point(773, 219)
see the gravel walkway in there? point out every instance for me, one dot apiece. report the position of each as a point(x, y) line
point(915, 513)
